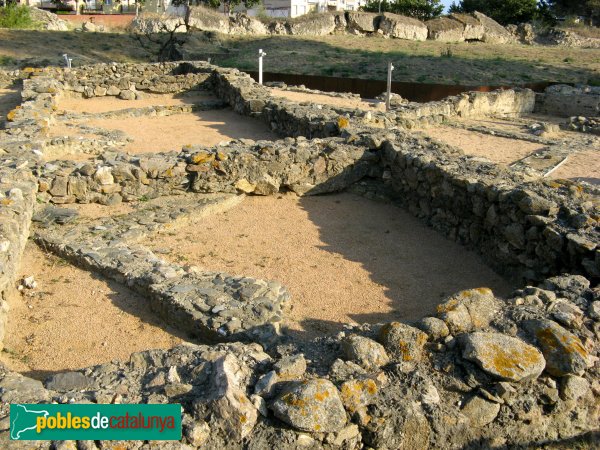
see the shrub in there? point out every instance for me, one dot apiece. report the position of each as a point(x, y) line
point(15, 16)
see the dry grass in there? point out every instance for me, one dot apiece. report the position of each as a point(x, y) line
point(366, 57)
point(584, 30)
point(338, 55)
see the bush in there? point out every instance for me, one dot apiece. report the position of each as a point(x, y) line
point(14, 16)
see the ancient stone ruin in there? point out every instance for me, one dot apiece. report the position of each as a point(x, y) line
point(482, 372)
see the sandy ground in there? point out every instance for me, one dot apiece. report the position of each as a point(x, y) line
point(497, 149)
point(109, 103)
point(157, 134)
point(75, 319)
point(344, 258)
point(520, 125)
point(582, 166)
point(327, 100)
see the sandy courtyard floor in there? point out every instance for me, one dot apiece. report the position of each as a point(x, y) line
point(75, 319)
point(159, 134)
point(497, 149)
point(343, 258)
point(582, 166)
point(109, 103)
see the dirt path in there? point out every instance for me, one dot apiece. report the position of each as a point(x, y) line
point(75, 319)
point(344, 258)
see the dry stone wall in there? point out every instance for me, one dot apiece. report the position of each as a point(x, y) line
point(458, 196)
point(483, 372)
point(564, 101)
point(531, 229)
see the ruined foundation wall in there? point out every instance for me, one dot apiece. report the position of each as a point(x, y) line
point(566, 101)
point(531, 230)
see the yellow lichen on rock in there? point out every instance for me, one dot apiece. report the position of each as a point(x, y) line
point(343, 122)
point(202, 157)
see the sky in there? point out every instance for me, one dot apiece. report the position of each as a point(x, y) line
point(447, 3)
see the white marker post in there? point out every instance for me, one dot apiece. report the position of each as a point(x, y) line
point(388, 96)
point(260, 60)
point(67, 60)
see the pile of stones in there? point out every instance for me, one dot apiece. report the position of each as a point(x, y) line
point(484, 373)
point(584, 124)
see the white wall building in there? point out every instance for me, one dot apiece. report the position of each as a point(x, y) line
point(295, 8)
point(272, 8)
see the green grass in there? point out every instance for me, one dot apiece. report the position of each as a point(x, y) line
point(14, 16)
point(7, 60)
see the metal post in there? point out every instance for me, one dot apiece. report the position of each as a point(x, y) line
point(389, 86)
point(260, 65)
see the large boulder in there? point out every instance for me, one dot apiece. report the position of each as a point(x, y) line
point(469, 310)
point(504, 357)
point(48, 20)
point(445, 29)
point(313, 405)
point(208, 20)
point(363, 22)
point(158, 24)
point(403, 341)
point(564, 352)
point(493, 32)
point(366, 352)
point(312, 25)
point(472, 28)
point(243, 24)
point(402, 27)
point(232, 410)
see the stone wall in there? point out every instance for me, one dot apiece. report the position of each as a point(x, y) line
point(531, 229)
point(565, 101)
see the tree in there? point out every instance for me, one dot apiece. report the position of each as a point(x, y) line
point(419, 9)
point(502, 11)
point(166, 43)
point(590, 9)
